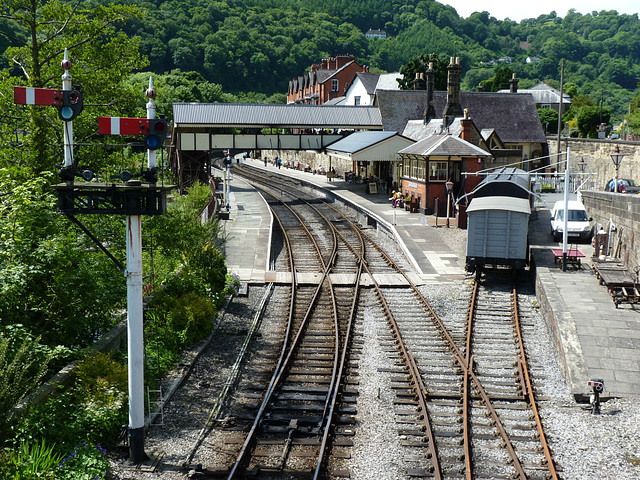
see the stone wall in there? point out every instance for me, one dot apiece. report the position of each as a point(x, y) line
point(624, 211)
point(316, 159)
point(597, 156)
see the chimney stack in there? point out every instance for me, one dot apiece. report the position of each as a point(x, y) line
point(418, 82)
point(453, 108)
point(466, 126)
point(513, 84)
point(430, 111)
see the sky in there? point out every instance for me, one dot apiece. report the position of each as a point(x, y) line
point(518, 9)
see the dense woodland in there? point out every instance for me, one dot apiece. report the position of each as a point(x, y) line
point(257, 45)
point(252, 48)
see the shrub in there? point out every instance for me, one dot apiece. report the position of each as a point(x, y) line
point(92, 410)
point(232, 284)
point(85, 462)
point(23, 363)
point(30, 461)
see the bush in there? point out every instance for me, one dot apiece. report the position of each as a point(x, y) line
point(85, 462)
point(30, 461)
point(92, 410)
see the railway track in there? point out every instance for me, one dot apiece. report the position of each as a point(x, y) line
point(299, 409)
point(465, 405)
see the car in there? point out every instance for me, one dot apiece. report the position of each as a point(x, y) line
point(579, 224)
point(625, 185)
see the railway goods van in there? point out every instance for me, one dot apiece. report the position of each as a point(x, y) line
point(498, 221)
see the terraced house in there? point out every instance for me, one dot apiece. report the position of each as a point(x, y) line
point(325, 81)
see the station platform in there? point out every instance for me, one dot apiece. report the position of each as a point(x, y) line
point(595, 339)
point(432, 258)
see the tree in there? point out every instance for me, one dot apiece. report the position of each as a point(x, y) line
point(52, 278)
point(549, 120)
point(420, 64)
point(100, 55)
point(589, 119)
point(499, 81)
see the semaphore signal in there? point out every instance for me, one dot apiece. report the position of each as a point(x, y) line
point(69, 103)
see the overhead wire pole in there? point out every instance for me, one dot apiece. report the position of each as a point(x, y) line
point(565, 233)
point(566, 172)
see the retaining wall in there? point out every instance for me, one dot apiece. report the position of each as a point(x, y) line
point(597, 156)
point(624, 211)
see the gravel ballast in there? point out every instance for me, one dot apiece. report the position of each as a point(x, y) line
point(585, 446)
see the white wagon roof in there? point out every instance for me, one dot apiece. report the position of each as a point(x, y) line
point(512, 204)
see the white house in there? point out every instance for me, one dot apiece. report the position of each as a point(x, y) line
point(361, 90)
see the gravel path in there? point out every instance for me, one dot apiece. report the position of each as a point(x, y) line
point(585, 446)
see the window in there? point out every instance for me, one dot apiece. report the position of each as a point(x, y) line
point(421, 170)
point(414, 168)
point(356, 100)
point(437, 171)
point(334, 85)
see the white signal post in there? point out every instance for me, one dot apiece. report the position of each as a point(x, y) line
point(68, 126)
point(135, 315)
point(135, 339)
point(151, 114)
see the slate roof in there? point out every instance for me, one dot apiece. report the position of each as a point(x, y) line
point(323, 75)
point(369, 81)
point(514, 117)
point(359, 141)
point(445, 145)
point(388, 81)
point(543, 94)
point(335, 101)
point(243, 115)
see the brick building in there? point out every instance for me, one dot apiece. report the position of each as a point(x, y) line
point(325, 81)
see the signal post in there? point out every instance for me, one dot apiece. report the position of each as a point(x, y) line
point(130, 197)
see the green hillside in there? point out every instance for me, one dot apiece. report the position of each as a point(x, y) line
point(259, 45)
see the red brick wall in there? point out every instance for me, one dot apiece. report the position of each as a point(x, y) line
point(415, 188)
point(472, 165)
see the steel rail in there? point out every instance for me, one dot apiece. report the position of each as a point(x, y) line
point(466, 414)
point(485, 399)
point(232, 378)
point(416, 379)
point(250, 439)
point(467, 366)
point(287, 352)
point(530, 393)
point(340, 355)
point(334, 391)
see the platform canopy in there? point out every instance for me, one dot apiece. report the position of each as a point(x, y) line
point(249, 116)
point(369, 146)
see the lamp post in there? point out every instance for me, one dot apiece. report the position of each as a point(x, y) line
point(449, 186)
point(617, 158)
point(582, 164)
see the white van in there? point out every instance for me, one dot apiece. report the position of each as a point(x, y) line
point(579, 226)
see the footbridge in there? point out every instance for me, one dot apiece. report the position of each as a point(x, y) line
point(202, 131)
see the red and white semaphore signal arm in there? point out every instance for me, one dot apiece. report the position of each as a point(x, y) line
point(154, 129)
point(37, 96)
point(68, 102)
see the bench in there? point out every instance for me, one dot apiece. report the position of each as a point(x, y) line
point(574, 256)
point(620, 283)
